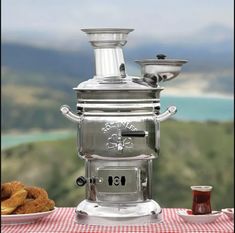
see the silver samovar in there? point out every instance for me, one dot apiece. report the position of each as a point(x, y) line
point(118, 119)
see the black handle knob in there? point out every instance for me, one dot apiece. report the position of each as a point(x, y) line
point(161, 56)
point(81, 181)
point(136, 133)
point(79, 110)
point(157, 110)
point(122, 70)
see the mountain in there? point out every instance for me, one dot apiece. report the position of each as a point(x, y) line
point(37, 81)
point(214, 33)
point(209, 56)
point(28, 59)
point(213, 60)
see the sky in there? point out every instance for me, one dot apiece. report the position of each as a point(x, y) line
point(153, 19)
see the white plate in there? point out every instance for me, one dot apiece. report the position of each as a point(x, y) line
point(187, 216)
point(229, 212)
point(24, 218)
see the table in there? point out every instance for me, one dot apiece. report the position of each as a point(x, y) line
point(63, 220)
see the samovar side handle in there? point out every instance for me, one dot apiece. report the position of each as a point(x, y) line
point(65, 109)
point(165, 115)
point(158, 118)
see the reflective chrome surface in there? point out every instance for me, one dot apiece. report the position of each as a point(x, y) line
point(118, 119)
point(119, 181)
point(107, 44)
point(121, 214)
point(160, 69)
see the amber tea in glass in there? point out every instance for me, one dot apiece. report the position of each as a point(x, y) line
point(201, 199)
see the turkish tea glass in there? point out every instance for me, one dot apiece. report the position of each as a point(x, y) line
point(201, 199)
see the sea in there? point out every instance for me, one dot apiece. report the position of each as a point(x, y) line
point(196, 108)
point(189, 108)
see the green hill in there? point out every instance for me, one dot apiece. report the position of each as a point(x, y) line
point(191, 154)
point(27, 103)
point(195, 154)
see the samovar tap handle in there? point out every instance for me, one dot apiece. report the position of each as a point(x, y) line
point(165, 115)
point(65, 109)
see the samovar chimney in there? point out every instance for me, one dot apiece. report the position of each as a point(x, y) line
point(107, 44)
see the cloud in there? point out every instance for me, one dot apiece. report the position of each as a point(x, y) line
point(153, 18)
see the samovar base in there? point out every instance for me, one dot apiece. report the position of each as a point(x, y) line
point(92, 213)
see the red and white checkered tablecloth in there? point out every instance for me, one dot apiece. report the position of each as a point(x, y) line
point(63, 220)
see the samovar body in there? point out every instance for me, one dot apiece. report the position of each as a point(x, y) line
point(118, 119)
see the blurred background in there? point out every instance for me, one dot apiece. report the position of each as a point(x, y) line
point(44, 55)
